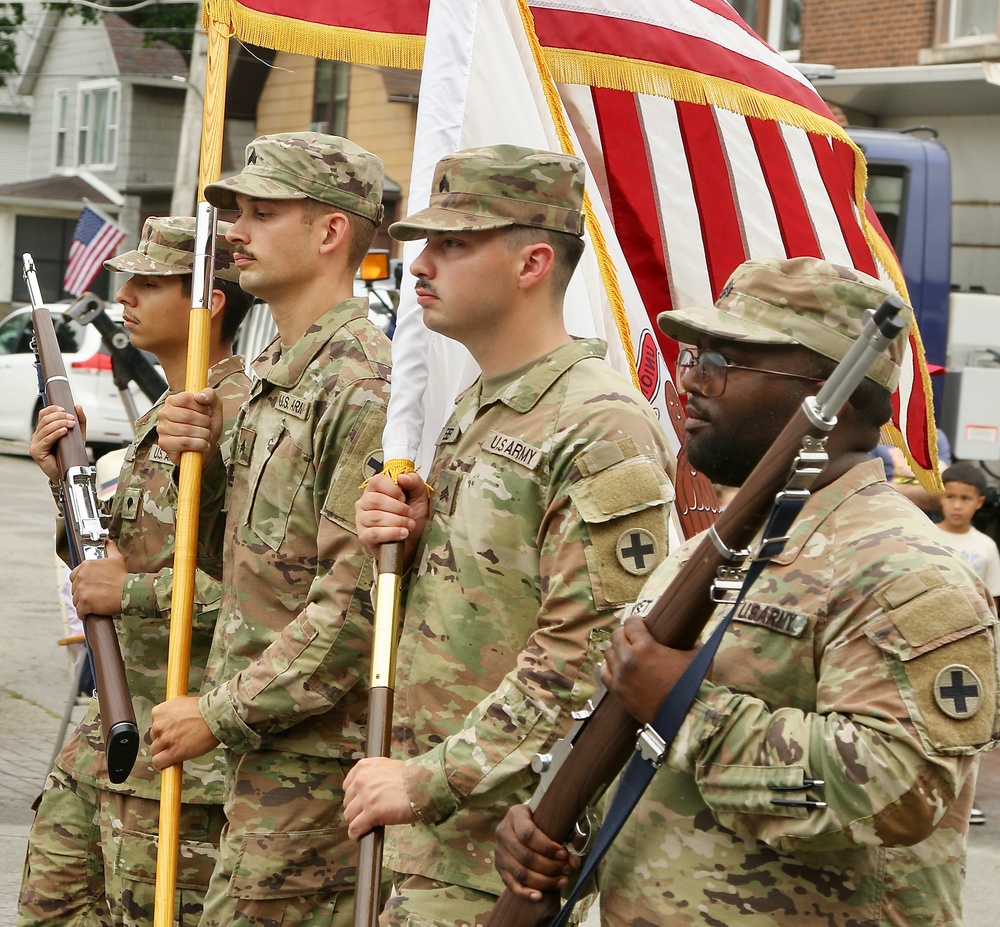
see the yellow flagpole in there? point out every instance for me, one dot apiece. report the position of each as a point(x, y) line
point(189, 490)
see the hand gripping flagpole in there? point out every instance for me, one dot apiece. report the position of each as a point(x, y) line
point(189, 490)
point(388, 594)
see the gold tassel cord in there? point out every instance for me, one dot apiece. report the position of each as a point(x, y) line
point(396, 467)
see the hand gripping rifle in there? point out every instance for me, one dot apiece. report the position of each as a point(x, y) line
point(367, 892)
point(584, 763)
point(87, 537)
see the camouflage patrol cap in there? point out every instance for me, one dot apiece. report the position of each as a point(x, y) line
point(805, 301)
point(307, 165)
point(166, 248)
point(498, 186)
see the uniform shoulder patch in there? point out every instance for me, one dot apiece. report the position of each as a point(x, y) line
point(958, 691)
point(638, 551)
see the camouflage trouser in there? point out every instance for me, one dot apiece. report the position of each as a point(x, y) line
point(92, 858)
point(423, 902)
point(129, 828)
point(63, 880)
point(285, 858)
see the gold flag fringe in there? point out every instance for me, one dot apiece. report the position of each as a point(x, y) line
point(268, 30)
point(396, 467)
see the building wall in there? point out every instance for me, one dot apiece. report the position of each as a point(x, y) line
point(866, 33)
point(14, 131)
point(384, 127)
point(147, 153)
point(78, 49)
point(286, 101)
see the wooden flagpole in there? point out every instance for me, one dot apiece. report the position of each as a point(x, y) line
point(189, 490)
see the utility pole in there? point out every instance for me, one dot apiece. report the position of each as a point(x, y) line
point(186, 179)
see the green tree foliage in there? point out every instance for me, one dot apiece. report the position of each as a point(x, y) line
point(11, 17)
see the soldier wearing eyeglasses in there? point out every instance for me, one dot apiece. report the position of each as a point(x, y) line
point(858, 677)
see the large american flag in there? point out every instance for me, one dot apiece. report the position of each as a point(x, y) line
point(95, 239)
point(705, 145)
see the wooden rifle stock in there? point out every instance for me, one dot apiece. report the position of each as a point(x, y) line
point(87, 538)
point(605, 743)
point(368, 887)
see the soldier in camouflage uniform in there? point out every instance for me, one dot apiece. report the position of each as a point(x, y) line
point(549, 507)
point(91, 852)
point(825, 773)
point(289, 664)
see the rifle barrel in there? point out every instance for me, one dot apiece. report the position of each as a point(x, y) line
point(87, 538)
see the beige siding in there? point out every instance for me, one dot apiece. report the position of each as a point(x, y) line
point(383, 127)
point(286, 101)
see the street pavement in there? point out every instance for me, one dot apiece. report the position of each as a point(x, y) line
point(35, 684)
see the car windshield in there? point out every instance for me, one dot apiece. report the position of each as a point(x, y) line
point(16, 334)
point(69, 334)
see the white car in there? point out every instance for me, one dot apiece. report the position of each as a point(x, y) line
point(88, 367)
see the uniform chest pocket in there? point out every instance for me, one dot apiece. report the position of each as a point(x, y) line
point(276, 485)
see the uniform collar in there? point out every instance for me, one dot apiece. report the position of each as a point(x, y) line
point(225, 368)
point(284, 364)
point(216, 374)
point(523, 393)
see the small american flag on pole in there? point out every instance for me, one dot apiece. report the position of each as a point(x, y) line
point(95, 238)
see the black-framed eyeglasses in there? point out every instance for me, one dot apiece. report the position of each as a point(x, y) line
point(710, 369)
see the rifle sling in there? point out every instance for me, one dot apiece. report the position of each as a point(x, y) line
point(657, 736)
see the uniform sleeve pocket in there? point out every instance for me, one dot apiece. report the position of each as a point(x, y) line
point(941, 652)
point(626, 511)
point(360, 461)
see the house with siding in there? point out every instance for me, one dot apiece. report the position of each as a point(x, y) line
point(106, 110)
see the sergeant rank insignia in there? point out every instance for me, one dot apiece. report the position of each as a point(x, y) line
point(958, 691)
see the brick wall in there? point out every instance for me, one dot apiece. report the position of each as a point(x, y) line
point(866, 33)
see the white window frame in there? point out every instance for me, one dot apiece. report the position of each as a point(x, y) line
point(86, 156)
point(952, 20)
point(62, 137)
point(775, 23)
point(774, 12)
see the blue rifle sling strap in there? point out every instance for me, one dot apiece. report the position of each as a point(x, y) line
point(656, 738)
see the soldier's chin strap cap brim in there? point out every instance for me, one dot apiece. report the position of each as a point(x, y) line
point(442, 219)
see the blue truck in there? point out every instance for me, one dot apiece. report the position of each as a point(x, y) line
point(909, 186)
